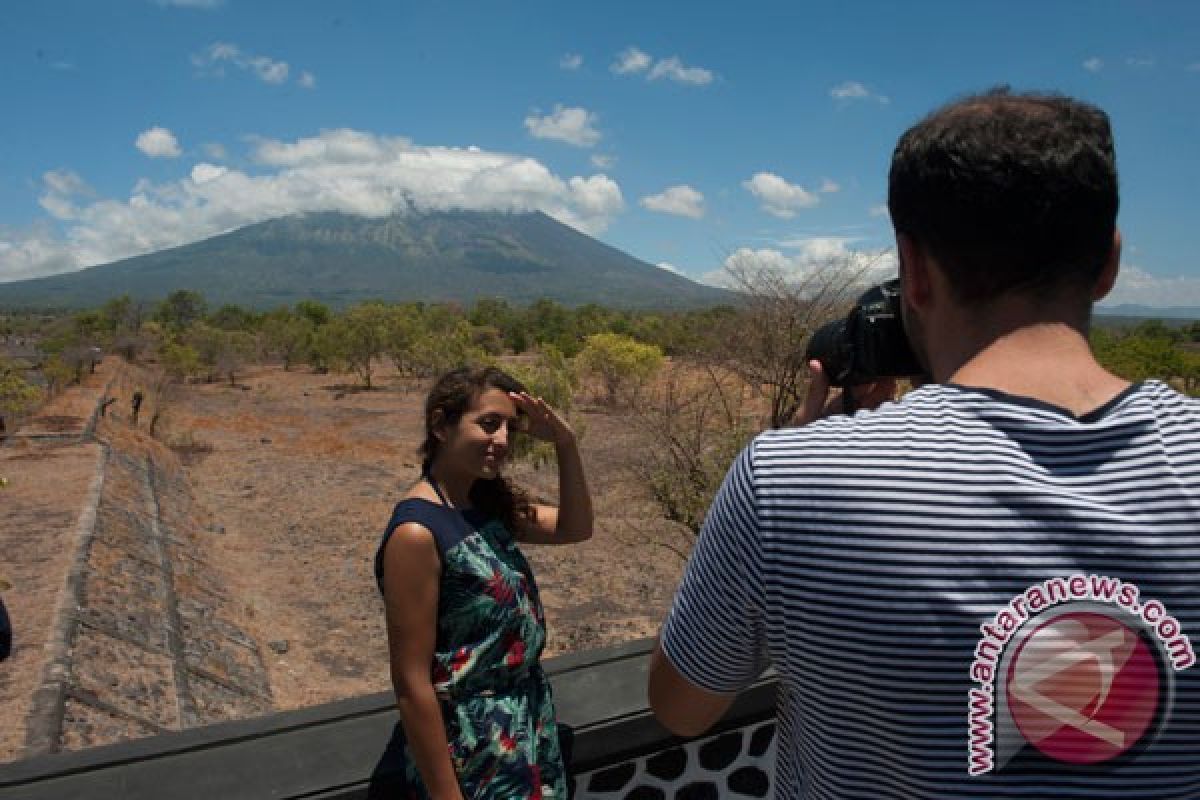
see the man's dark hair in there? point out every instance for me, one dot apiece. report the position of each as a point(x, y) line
point(1009, 192)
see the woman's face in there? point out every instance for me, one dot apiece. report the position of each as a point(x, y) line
point(479, 442)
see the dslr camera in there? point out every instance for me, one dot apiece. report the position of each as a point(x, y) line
point(869, 344)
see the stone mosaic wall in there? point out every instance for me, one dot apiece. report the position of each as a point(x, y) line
point(147, 641)
point(737, 763)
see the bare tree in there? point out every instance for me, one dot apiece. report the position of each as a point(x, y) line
point(693, 423)
point(751, 375)
point(765, 344)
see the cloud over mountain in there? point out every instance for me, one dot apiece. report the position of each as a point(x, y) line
point(339, 170)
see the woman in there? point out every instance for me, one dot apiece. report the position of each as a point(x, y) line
point(465, 625)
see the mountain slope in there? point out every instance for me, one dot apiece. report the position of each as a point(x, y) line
point(342, 259)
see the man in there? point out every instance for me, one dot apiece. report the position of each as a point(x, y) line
point(990, 587)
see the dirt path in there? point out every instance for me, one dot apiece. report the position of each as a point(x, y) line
point(50, 476)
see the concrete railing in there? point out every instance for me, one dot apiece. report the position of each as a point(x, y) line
point(616, 748)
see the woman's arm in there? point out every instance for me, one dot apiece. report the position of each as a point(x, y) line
point(411, 574)
point(572, 520)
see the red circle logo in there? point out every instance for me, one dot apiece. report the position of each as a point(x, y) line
point(1083, 688)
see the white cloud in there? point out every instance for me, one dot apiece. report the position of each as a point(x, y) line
point(1137, 62)
point(631, 61)
point(673, 69)
point(880, 210)
point(683, 201)
point(777, 196)
point(1194, 67)
point(603, 161)
point(1138, 287)
point(32, 253)
point(158, 142)
point(340, 170)
point(829, 186)
point(203, 173)
point(214, 58)
point(65, 182)
point(571, 61)
point(813, 259)
point(669, 267)
point(62, 188)
point(571, 125)
point(853, 90)
point(1093, 64)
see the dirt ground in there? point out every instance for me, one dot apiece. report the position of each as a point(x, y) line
point(299, 474)
point(48, 480)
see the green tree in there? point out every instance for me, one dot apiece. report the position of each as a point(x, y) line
point(230, 317)
point(621, 364)
point(444, 341)
point(316, 313)
point(359, 337)
point(1137, 356)
point(404, 330)
point(550, 323)
point(286, 336)
point(207, 342)
point(179, 361)
point(180, 309)
point(58, 374)
point(18, 397)
point(236, 351)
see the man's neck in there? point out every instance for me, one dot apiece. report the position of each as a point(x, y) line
point(1050, 361)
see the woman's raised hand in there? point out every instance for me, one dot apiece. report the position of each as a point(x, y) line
point(540, 420)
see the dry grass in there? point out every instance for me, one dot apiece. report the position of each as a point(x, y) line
point(48, 482)
point(301, 475)
point(294, 478)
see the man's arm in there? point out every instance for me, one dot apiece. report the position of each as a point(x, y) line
point(681, 706)
point(711, 645)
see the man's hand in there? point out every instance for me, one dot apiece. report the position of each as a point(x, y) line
point(821, 403)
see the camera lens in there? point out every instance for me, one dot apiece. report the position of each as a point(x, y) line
point(831, 346)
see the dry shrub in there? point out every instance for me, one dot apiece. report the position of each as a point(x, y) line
point(694, 421)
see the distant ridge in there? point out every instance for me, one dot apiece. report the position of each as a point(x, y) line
point(1149, 312)
point(341, 259)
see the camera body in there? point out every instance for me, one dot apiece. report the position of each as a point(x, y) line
point(869, 344)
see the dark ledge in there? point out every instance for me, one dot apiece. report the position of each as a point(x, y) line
point(328, 751)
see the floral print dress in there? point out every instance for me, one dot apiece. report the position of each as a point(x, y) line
point(494, 697)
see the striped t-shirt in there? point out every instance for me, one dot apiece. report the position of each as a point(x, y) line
point(964, 594)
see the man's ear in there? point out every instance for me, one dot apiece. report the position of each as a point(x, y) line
point(1108, 275)
point(914, 271)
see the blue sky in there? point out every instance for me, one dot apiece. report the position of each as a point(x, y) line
point(686, 134)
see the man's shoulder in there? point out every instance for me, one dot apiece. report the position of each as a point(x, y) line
point(920, 408)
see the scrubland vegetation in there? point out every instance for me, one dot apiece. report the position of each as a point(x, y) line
point(696, 385)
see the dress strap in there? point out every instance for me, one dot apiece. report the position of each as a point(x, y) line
point(428, 478)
